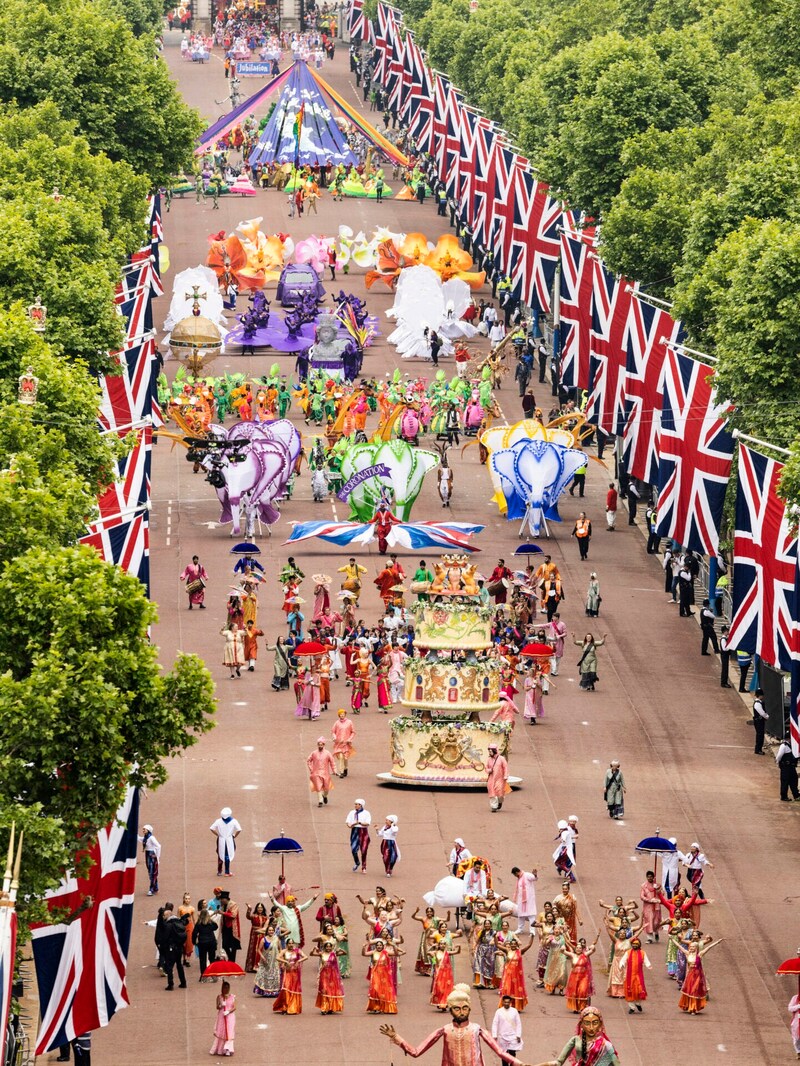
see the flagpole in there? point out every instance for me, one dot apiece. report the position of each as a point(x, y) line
point(556, 372)
point(676, 345)
point(738, 435)
point(647, 298)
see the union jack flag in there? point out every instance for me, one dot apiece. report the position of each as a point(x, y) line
point(393, 66)
point(535, 244)
point(420, 115)
point(503, 206)
point(408, 88)
point(131, 490)
point(155, 229)
point(794, 704)
point(125, 543)
point(764, 563)
point(441, 91)
point(360, 27)
point(483, 182)
point(127, 396)
point(466, 166)
point(611, 302)
point(452, 141)
point(135, 304)
point(695, 456)
point(381, 68)
point(353, 17)
point(647, 331)
point(576, 304)
point(81, 963)
point(8, 949)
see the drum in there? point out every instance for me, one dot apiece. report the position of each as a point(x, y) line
point(496, 587)
point(420, 586)
point(195, 586)
point(350, 584)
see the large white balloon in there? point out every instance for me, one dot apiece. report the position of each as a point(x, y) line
point(449, 892)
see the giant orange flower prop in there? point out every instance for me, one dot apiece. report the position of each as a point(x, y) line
point(449, 260)
point(228, 259)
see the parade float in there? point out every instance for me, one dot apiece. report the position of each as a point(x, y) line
point(452, 679)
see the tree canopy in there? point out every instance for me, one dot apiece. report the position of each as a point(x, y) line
point(84, 706)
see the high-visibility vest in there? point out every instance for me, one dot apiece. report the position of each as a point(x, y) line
point(582, 527)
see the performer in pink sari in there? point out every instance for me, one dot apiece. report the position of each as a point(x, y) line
point(322, 600)
point(225, 1026)
point(558, 632)
point(507, 711)
point(310, 704)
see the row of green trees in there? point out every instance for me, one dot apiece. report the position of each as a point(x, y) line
point(89, 123)
point(675, 123)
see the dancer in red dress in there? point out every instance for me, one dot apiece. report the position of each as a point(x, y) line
point(580, 984)
point(513, 974)
point(290, 997)
point(442, 981)
point(382, 996)
point(694, 991)
point(330, 989)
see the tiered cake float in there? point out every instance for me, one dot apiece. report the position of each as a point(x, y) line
point(454, 675)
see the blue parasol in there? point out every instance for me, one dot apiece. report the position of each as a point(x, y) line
point(245, 547)
point(529, 550)
point(653, 846)
point(282, 845)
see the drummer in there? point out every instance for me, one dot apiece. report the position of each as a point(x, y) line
point(352, 578)
point(500, 582)
point(195, 577)
point(422, 577)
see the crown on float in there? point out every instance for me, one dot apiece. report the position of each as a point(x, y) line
point(455, 560)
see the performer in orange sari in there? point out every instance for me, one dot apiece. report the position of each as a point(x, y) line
point(635, 990)
point(513, 984)
point(290, 997)
point(442, 981)
point(362, 673)
point(694, 991)
point(580, 985)
point(382, 990)
point(330, 990)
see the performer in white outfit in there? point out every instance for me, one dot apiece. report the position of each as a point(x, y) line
point(226, 829)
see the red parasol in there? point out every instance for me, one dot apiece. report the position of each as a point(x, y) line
point(537, 651)
point(223, 968)
point(311, 647)
point(791, 967)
